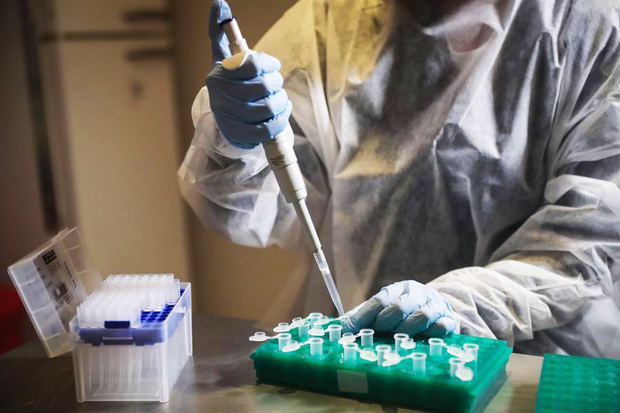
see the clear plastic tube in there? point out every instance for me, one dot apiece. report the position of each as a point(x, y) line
point(419, 363)
point(314, 317)
point(455, 365)
point(471, 349)
point(316, 346)
point(283, 340)
point(366, 335)
point(382, 350)
point(303, 328)
point(321, 263)
point(399, 339)
point(335, 332)
point(436, 346)
point(349, 351)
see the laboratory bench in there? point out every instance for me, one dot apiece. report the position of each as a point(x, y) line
point(218, 378)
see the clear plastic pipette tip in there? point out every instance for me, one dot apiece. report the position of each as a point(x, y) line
point(321, 262)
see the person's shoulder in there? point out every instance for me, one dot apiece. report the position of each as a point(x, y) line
point(598, 17)
point(589, 49)
point(295, 38)
point(302, 16)
point(589, 29)
point(598, 9)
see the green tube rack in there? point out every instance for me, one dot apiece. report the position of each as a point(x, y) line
point(434, 389)
point(578, 384)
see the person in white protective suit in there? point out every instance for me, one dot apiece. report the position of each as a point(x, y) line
point(462, 159)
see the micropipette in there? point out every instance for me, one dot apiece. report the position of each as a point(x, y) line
point(283, 162)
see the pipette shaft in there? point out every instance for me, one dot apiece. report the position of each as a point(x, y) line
point(283, 162)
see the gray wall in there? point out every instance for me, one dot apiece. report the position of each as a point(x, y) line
point(21, 217)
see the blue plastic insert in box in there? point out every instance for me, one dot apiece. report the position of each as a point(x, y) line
point(153, 328)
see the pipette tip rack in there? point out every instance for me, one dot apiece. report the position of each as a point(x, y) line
point(578, 384)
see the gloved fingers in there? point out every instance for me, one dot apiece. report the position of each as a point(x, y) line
point(421, 319)
point(362, 316)
point(275, 125)
point(365, 314)
point(220, 11)
point(242, 133)
point(250, 112)
point(256, 65)
point(395, 313)
point(443, 326)
point(248, 90)
point(242, 145)
point(390, 294)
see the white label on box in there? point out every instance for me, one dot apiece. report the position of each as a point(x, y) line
point(60, 283)
point(350, 381)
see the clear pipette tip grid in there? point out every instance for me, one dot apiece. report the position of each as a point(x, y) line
point(124, 297)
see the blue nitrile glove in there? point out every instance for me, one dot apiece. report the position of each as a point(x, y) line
point(404, 307)
point(249, 104)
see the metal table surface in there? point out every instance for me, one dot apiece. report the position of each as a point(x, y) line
point(219, 377)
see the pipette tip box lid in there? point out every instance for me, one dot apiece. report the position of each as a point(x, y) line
point(52, 281)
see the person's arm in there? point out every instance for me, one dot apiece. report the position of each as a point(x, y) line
point(568, 252)
point(230, 185)
point(565, 254)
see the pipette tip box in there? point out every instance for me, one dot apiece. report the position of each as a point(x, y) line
point(115, 356)
point(134, 361)
point(437, 375)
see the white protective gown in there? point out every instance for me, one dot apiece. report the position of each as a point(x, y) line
point(477, 150)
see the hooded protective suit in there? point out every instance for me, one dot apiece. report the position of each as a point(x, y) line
point(476, 149)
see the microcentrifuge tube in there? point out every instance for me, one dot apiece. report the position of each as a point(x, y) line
point(399, 339)
point(436, 346)
point(335, 332)
point(283, 340)
point(316, 346)
point(471, 350)
point(366, 335)
point(382, 350)
point(455, 365)
point(349, 351)
point(313, 317)
point(281, 328)
point(259, 336)
point(302, 329)
point(419, 363)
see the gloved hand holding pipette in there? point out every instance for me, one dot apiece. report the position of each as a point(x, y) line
point(251, 108)
point(248, 102)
